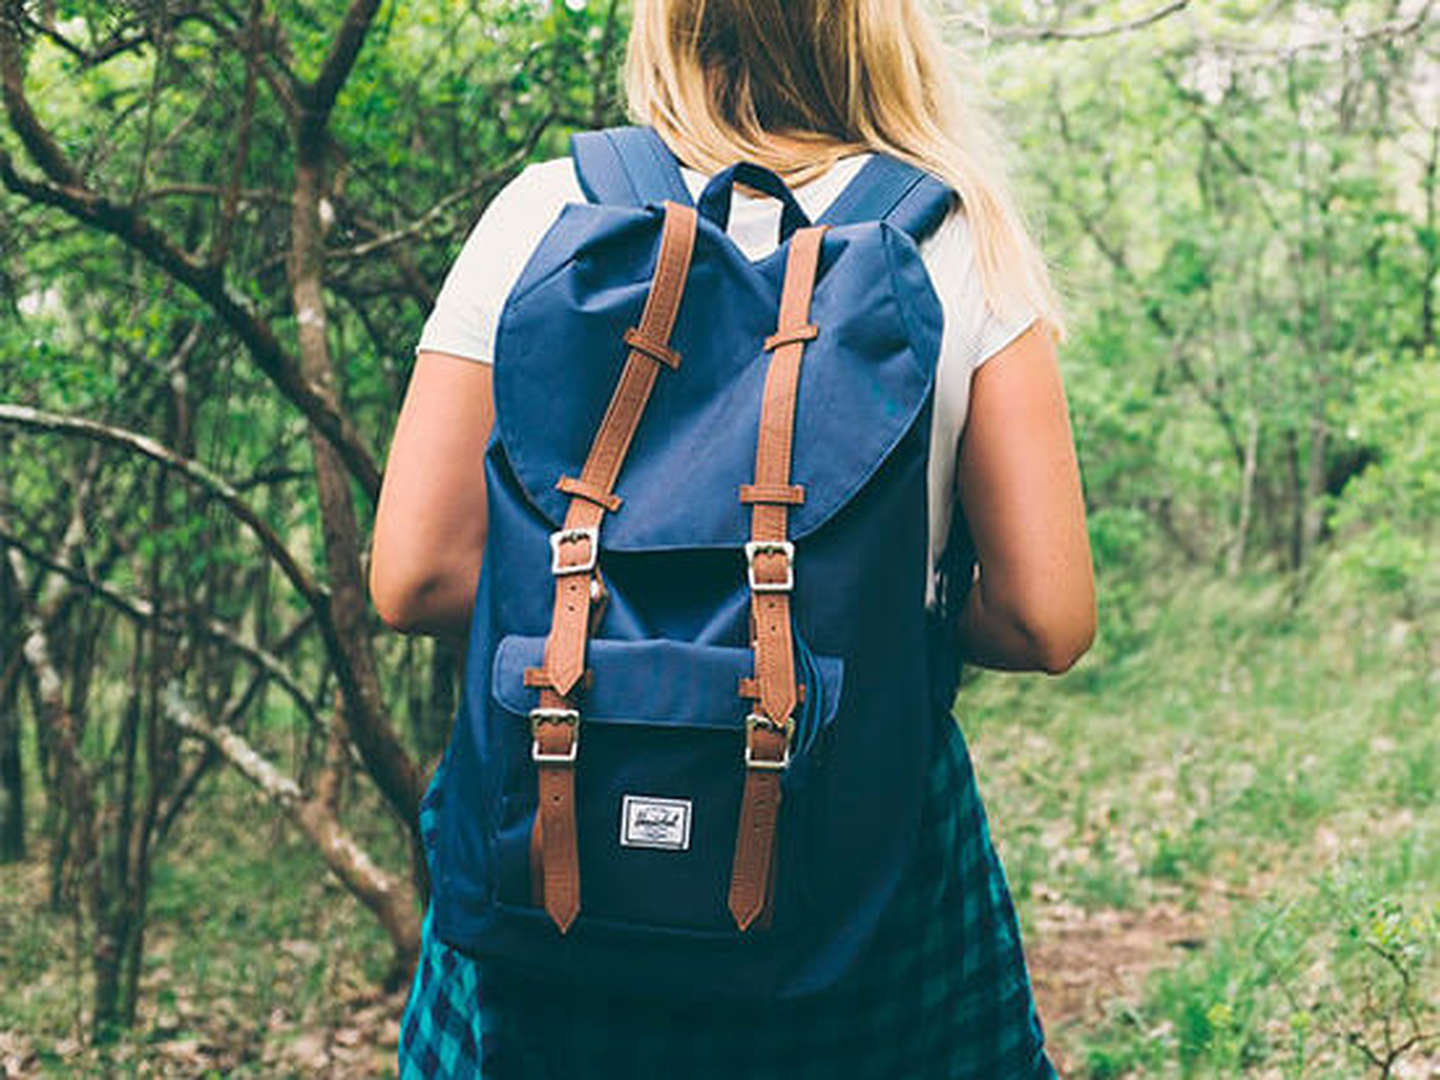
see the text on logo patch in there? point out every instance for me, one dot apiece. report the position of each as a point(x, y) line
point(652, 822)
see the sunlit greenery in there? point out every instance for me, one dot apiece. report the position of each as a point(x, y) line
point(1230, 801)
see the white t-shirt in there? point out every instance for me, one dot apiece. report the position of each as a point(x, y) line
point(467, 309)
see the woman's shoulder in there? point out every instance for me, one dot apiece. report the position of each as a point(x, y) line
point(974, 325)
point(539, 187)
point(950, 243)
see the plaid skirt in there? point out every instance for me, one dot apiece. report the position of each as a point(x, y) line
point(943, 994)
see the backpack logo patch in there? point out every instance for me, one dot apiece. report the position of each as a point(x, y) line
point(652, 822)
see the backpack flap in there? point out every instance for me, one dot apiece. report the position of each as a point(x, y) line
point(561, 347)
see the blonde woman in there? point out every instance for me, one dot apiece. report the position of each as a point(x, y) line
point(811, 89)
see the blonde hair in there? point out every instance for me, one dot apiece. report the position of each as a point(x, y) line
point(795, 85)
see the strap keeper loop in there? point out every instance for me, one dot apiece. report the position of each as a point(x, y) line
point(656, 350)
point(539, 678)
point(750, 688)
point(778, 494)
point(578, 486)
point(791, 335)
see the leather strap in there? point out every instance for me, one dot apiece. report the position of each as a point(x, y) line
point(792, 494)
point(573, 485)
point(770, 565)
point(750, 687)
point(575, 552)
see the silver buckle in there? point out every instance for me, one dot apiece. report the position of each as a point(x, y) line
point(565, 536)
point(754, 720)
point(770, 547)
point(541, 715)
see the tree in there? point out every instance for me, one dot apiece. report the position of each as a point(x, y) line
point(251, 197)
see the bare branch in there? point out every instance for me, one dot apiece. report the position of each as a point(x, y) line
point(316, 595)
point(143, 610)
point(388, 896)
point(1061, 33)
point(343, 53)
point(251, 764)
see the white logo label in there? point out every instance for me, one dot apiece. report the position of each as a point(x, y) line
point(649, 821)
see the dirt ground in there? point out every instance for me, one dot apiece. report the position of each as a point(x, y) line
point(1083, 964)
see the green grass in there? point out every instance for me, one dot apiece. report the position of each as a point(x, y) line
point(1299, 980)
point(1274, 771)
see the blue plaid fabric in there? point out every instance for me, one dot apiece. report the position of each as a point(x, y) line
point(943, 995)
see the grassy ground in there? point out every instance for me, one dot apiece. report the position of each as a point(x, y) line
point(1239, 802)
point(1222, 829)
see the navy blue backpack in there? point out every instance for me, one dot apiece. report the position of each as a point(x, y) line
point(702, 687)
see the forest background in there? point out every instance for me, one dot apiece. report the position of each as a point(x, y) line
point(1221, 826)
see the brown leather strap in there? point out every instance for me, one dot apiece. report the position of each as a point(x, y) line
point(771, 570)
point(565, 647)
point(575, 551)
point(790, 335)
point(573, 485)
point(750, 687)
point(790, 494)
point(636, 338)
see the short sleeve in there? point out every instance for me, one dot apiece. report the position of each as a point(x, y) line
point(467, 309)
point(974, 330)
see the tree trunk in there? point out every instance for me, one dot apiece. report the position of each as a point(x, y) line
point(1247, 497)
point(12, 778)
point(1314, 509)
point(385, 757)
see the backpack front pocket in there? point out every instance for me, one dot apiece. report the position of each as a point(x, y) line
point(658, 782)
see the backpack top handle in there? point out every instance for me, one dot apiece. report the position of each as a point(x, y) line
point(716, 199)
point(632, 166)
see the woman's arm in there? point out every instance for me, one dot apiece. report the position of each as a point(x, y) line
point(1033, 606)
point(431, 521)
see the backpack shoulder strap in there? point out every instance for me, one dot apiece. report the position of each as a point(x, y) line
point(888, 189)
point(628, 166)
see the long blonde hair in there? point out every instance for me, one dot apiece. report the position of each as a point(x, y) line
point(796, 85)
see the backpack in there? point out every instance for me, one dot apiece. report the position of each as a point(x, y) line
point(701, 687)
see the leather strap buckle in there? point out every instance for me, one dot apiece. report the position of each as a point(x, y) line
point(542, 715)
point(569, 536)
point(760, 720)
point(770, 547)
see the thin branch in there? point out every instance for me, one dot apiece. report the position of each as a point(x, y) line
point(144, 611)
point(436, 211)
point(67, 191)
point(1061, 33)
point(23, 415)
point(210, 191)
point(343, 53)
point(1381, 32)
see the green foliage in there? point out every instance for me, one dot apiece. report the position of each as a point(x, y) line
point(1240, 224)
point(1329, 979)
point(1390, 512)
